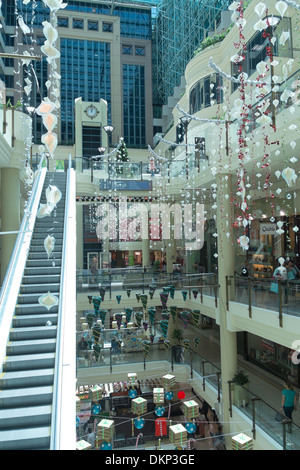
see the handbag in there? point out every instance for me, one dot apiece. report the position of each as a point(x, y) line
point(274, 287)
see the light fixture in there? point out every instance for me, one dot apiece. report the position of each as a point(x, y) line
point(108, 129)
point(272, 20)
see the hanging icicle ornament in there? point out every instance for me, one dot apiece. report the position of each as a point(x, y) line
point(49, 243)
point(48, 300)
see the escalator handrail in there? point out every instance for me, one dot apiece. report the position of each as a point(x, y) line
point(63, 430)
point(14, 273)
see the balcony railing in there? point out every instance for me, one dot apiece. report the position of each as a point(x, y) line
point(270, 294)
point(115, 351)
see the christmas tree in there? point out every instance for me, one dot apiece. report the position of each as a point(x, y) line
point(122, 153)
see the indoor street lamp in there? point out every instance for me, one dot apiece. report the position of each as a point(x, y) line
point(109, 130)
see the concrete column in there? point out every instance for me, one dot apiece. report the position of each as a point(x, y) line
point(10, 213)
point(79, 235)
point(146, 253)
point(225, 268)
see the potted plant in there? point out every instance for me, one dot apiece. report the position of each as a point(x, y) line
point(241, 381)
point(177, 335)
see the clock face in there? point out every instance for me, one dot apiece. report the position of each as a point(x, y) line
point(91, 111)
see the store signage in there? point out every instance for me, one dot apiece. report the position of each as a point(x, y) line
point(125, 185)
point(267, 229)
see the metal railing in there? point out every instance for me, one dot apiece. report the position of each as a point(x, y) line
point(262, 416)
point(268, 293)
point(14, 273)
point(63, 404)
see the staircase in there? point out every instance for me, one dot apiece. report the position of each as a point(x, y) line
point(26, 384)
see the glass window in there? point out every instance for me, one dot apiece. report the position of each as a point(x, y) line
point(127, 50)
point(134, 105)
point(140, 51)
point(62, 22)
point(107, 27)
point(201, 91)
point(77, 23)
point(93, 25)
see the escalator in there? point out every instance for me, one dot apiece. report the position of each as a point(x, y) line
point(28, 376)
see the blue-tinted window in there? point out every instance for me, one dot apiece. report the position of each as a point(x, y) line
point(201, 91)
point(134, 107)
point(85, 72)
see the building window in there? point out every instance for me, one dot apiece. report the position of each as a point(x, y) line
point(200, 94)
point(77, 23)
point(62, 22)
point(85, 69)
point(257, 49)
point(140, 51)
point(134, 108)
point(107, 27)
point(126, 50)
point(93, 25)
point(91, 141)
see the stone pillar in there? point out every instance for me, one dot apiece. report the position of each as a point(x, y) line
point(226, 258)
point(79, 235)
point(10, 213)
point(146, 253)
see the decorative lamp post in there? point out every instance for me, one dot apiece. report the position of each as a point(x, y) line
point(109, 130)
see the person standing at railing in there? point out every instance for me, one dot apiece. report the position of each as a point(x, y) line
point(289, 401)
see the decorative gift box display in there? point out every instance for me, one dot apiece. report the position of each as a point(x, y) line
point(132, 379)
point(96, 393)
point(169, 382)
point(105, 430)
point(242, 442)
point(83, 445)
point(139, 406)
point(190, 409)
point(160, 427)
point(158, 395)
point(178, 434)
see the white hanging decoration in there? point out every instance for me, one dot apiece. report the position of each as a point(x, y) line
point(260, 25)
point(293, 144)
point(53, 195)
point(45, 107)
point(50, 141)
point(264, 120)
point(234, 6)
point(49, 121)
point(260, 9)
point(44, 210)
point(50, 51)
point(293, 160)
point(50, 33)
point(48, 300)
point(244, 242)
point(26, 61)
point(55, 5)
point(289, 175)
point(281, 7)
point(262, 67)
point(278, 173)
point(285, 35)
point(25, 29)
point(296, 229)
point(49, 243)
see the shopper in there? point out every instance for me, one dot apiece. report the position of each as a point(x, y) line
point(288, 402)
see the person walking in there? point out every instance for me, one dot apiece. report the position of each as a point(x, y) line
point(289, 401)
